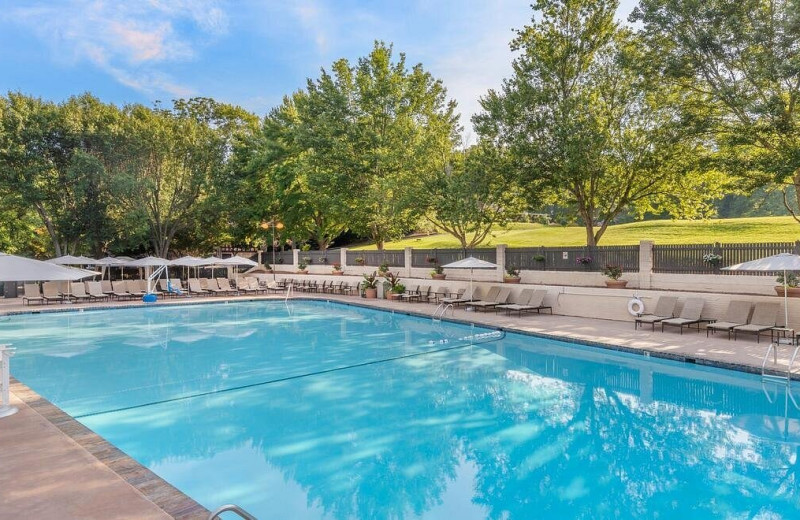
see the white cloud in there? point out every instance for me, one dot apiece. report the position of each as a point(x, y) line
point(130, 41)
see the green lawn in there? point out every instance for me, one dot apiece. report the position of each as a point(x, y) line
point(761, 229)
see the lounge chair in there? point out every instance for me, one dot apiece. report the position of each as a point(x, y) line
point(134, 288)
point(738, 314)
point(274, 287)
point(225, 286)
point(440, 293)
point(500, 298)
point(466, 297)
point(535, 302)
point(196, 288)
point(665, 309)
point(245, 285)
point(51, 292)
point(410, 293)
point(78, 292)
point(105, 285)
point(95, 291)
point(120, 290)
point(691, 314)
point(765, 317)
point(213, 286)
point(420, 295)
point(32, 294)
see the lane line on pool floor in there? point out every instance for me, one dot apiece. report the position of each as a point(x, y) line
point(500, 336)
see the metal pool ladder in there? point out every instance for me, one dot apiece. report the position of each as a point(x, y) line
point(440, 311)
point(773, 349)
point(289, 292)
point(230, 508)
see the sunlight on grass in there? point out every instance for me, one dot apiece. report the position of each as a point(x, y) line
point(760, 229)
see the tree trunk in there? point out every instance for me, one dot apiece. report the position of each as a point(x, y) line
point(48, 224)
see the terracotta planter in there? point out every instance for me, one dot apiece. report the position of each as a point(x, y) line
point(394, 296)
point(616, 284)
point(337, 273)
point(438, 276)
point(511, 279)
point(302, 271)
point(791, 292)
point(370, 293)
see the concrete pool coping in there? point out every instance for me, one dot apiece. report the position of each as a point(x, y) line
point(140, 488)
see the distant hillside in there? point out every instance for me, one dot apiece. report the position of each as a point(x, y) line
point(736, 230)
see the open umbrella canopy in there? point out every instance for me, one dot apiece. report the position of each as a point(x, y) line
point(109, 260)
point(212, 260)
point(148, 261)
point(188, 261)
point(72, 260)
point(779, 262)
point(470, 263)
point(236, 260)
point(17, 268)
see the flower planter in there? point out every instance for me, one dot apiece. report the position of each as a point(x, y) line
point(337, 273)
point(302, 271)
point(394, 296)
point(511, 279)
point(438, 276)
point(616, 284)
point(791, 292)
point(371, 293)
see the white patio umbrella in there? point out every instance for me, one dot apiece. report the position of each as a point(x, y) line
point(236, 261)
point(72, 260)
point(211, 261)
point(188, 261)
point(17, 268)
point(109, 262)
point(781, 262)
point(148, 261)
point(470, 263)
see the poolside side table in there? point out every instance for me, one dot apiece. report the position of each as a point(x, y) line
point(779, 333)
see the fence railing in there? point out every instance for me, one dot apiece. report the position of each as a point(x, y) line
point(281, 257)
point(710, 258)
point(573, 258)
point(392, 258)
point(327, 257)
point(422, 257)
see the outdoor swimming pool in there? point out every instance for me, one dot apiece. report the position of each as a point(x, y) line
point(323, 410)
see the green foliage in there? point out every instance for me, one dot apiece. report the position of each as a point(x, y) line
point(512, 272)
point(588, 127)
point(612, 271)
point(791, 280)
point(735, 66)
point(371, 281)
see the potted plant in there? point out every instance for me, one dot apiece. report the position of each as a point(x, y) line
point(512, 275)
point(613, 272)
point(792, 282)
point(306, 260)
point(302, 267)
point(437, 273)
point(585, 261)
point(538, 258)
point(395, 287)
point(337, 269)
point(383, 269)
point(712, 259)
point(360, 260)
point(371, 285)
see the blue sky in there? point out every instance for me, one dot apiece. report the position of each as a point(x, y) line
point(246, 52)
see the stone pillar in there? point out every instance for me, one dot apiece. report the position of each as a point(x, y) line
point(343, 257)
point(501, 262)
point(295, 258)
point(407, 263)
point(645, 264)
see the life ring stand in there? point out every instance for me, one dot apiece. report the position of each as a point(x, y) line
point(635, 306)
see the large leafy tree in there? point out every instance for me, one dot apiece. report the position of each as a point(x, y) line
point(739, 65)
point(474, 193)
point(585, 123)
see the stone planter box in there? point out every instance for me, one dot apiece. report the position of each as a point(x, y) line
point(791, 292)
point(511, 279)
point(337, 273)
point(438, 276)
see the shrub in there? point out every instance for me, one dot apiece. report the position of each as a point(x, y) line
point(584, 260)
point(612, 271)
point(371, 280)
point(791, 280)
point(512, 272)
point(336, 266)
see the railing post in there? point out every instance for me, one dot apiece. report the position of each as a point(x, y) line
point(407, 262)
point(295, 258)
point(501, 262)
point(645, 263)
point(343, 257)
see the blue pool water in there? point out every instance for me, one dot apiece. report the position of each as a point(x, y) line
point(325, 411)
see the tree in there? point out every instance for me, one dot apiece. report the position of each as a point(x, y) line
point(738, 63)
point(583, 120)
point(165, 161)
point(473, 194)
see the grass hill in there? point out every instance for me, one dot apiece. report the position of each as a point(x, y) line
point(733, 230)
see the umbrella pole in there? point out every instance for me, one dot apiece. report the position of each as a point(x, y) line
point(785, 301)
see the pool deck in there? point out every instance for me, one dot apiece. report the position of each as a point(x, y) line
point(54, 467)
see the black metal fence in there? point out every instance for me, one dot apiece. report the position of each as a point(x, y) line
point(281, 257)
point(427, 257)
point(573, 258)
point(710, 258)
point(328, 257)
point(392, 258)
